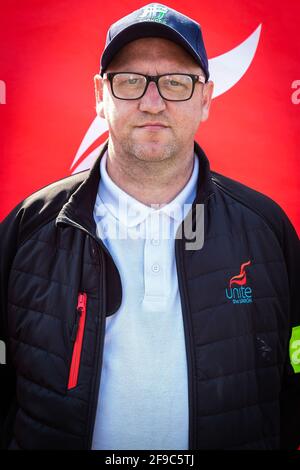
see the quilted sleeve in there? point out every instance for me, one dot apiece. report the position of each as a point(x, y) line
point(290, 395)
point(9, 234)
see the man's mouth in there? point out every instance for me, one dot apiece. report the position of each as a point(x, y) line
point(153, 126)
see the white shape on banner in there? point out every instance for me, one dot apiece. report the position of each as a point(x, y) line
point(225, 71)
point(96, 129)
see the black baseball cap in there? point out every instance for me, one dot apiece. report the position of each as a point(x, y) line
point(156, 20)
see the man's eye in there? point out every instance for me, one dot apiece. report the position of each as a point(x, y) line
point(174, 83)
point(132, 81)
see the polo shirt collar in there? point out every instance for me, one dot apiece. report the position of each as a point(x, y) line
point(131, 212)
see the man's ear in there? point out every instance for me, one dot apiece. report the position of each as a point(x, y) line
point(206, 99)
point(98, 81)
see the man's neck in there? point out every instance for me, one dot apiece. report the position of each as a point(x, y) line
point(150, 182)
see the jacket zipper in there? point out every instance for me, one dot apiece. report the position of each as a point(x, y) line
point(190, 347)
point(190, 351)
point(77, 337)
point(99, 359)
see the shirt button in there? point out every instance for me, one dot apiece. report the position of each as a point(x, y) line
point(155, 268)
point(155, 241)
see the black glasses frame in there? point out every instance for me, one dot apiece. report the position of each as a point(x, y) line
point(155, 79)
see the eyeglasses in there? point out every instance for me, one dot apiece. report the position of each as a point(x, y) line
point(171, 86)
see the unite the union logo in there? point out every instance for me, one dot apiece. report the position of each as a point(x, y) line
point(240, 294)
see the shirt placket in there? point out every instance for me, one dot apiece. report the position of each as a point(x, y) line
point(155, 260)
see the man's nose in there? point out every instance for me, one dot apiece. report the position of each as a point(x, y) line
point(152, 102)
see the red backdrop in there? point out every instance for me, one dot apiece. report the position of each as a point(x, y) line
point(50, 52)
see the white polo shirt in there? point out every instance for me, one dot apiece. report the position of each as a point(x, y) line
point(143, 395)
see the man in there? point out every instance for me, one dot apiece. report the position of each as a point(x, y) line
point(150, 303)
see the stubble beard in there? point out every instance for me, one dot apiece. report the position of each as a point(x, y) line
point(151, 152)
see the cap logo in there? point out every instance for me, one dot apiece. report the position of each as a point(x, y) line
point(154, 13)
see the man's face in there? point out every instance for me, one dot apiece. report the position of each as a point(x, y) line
point(151, 128)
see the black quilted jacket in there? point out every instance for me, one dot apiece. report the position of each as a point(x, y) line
point(240, 301)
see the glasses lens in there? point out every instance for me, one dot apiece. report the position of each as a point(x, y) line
point(128, 85)
point(176, 87)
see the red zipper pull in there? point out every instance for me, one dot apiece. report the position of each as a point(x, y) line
point(81, 305)
point(77, 338)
